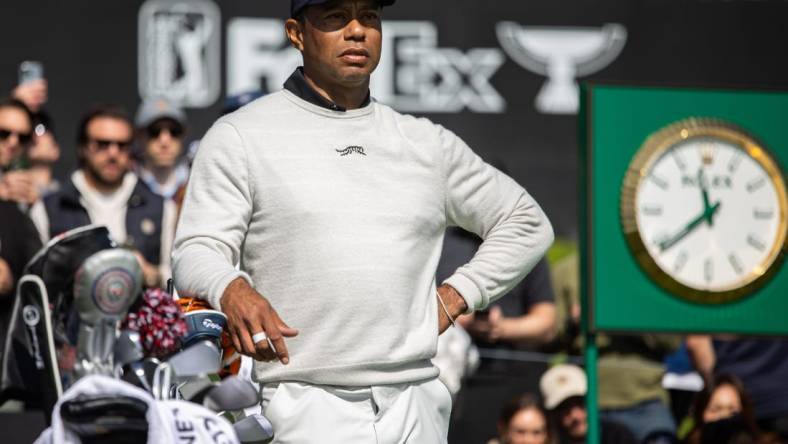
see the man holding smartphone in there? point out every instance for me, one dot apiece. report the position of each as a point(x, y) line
point(16, 135)
point(32, 89)
point(335, 207)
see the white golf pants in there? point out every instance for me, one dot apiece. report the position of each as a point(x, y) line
point(412, 413)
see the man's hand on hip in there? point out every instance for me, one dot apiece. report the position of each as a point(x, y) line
point(249, 314)
point(455, 304)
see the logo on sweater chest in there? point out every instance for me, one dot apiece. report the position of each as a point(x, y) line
point(352, 149)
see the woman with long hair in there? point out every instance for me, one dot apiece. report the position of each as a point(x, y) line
point(722, 413)
point(523, 420)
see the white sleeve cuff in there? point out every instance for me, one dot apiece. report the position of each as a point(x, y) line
point(217, 289)
point(468, 290)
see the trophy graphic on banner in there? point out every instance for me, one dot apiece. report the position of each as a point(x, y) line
point(561, 54)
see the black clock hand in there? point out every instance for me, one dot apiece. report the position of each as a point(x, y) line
point(705, 194)
point(673, 240)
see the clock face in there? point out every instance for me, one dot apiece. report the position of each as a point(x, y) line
point(704, 211)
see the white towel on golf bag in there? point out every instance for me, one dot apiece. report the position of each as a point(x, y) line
point(168, 421)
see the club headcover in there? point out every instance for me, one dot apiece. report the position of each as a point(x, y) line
point(204, 324)
point(106, 285)
point(57, 262)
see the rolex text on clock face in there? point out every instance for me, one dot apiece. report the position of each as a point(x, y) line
point(708, 208)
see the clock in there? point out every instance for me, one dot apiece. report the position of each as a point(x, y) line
point(703, 210)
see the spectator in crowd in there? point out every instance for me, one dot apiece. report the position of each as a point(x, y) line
point(18, 244)
point(43, 153)
point(16, 129)
point(34, 94)
point(760, 364)
point(526, 316)
point(523, 319)
point(235, 102)
point(564, 389)
point(523, 420)
point(161, 126)
point(723, 399)
point(103, 191)
point(631, 368)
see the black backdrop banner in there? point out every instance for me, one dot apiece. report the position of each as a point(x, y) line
point(499, 73)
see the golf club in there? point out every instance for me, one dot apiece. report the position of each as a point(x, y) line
point(128, 349)
point(200, 359)
point(104, 287)
point(255, 429)
point(233, 393)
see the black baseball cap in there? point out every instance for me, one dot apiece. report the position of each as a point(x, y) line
point(297, 6)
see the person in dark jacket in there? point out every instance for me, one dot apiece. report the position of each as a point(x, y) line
point(16, 135)
point(18, 244)
point(104, 191)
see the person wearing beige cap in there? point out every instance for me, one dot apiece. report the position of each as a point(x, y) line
point(564, 389)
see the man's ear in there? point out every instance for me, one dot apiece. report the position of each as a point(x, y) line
point(295, 33)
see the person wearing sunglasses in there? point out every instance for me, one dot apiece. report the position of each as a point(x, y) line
point(104, 191)
point(18, 238)
point(43, 153)
point(160, 129)
point(16, 134)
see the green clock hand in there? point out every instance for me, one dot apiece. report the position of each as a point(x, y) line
point(705, 194)
point(673, 240)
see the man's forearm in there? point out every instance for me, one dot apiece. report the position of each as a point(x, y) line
point(201, 271)
point(701, 352)
point(509, 251)
point(538, 325)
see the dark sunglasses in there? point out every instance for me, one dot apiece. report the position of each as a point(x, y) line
point(176, 131)
point(24, 138)
point(103, 145)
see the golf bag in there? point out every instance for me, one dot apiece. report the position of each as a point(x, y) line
point(68, 303)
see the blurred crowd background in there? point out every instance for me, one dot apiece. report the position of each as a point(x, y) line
point(106, 102)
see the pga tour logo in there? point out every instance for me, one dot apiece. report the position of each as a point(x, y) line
point(179, 51)
point(179, 57)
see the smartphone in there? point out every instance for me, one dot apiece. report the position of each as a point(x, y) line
point(30, 70)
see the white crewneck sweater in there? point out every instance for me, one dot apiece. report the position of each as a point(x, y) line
point(337, 218)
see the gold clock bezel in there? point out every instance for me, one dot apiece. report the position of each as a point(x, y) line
point(652, 149)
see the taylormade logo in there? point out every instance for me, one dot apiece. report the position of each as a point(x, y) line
point(207, 323)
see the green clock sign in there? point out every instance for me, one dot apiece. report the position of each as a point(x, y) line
point(703, 209)
point(685, 209)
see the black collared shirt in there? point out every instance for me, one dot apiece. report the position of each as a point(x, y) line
point(297, 85)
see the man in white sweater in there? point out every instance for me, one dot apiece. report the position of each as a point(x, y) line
point(335, 207)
